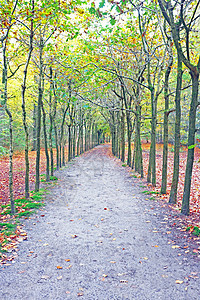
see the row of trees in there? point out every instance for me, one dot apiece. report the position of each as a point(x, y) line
point(150, 63)
point(79, 69)
point(40, 85)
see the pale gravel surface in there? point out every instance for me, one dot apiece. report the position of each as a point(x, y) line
point(114, 254)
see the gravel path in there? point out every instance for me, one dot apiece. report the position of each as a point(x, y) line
point(99, 238)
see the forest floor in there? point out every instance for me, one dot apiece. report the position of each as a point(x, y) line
point(100, 237)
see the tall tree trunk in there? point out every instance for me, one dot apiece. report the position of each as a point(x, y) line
point(24, 107)
point(78, 142)
point(174, 186)
point(191, 144)
point(122, 137)
point(8, 112)
point(138, 145)
point(69, 142)
point(45, 142)
point(152, 155)
point(12, 202)
point(51, 118)
point(57, 147)
point(166, 114)
point(74, 140)
point(34, 127)
point(40, 95)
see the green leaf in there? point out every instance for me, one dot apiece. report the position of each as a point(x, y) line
point(101, 4)
point(192, 146)
point(92, 10)
point(112, 21)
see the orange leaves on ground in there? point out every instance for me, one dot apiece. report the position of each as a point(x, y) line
point(59, 267)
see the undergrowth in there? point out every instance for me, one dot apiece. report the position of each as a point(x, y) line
point(24, 208)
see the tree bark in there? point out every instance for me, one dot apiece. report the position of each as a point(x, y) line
point(40, 95)
point(191, 144)
point(165, 125)
point(45, 143)
point(174, 186)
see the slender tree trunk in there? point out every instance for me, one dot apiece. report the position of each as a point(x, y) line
point(57, 147)
point(40, 94)
point(51, 118)
point(122, 137)
point(166, 114)
point(69, 142)
point(78, 142)
point(74, 141)
point(138, 145)
point(24, 108)
point(34, 127)
point(174, 186)
point(45, 142)
point(12, 202)
point(191, 144)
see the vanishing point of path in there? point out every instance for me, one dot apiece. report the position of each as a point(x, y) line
point(99, 238)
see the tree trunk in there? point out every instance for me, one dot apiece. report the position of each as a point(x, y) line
point(69, 142)
point(34, 128)
point(74, 141)
point(122, 137)
point(12, 202)
point(174, 186)
point(191, 144)
point(45, 142)
point(24, 108)
point(57, 147)
point(166, 114)
point(40, 94)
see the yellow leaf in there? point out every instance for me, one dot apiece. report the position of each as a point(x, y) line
point(175, 247)
point(179, 281)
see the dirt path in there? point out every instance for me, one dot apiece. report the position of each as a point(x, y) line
point(109, 240)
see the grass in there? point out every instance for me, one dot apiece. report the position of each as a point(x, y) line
point(24, 208)
point(52, 178)
point(194, 230)
point(153, 198)
point(124, 165)
point(150, 192)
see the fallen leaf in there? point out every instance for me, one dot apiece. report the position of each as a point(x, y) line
point(179, 281)
point(175, 246)
point(69, 267)
point(59, 267)
point(195, 251)
point(67, 259)
point(124, 281)
point(45, 277)
point(104, 275)
point(74, 236)
point(59, 277)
